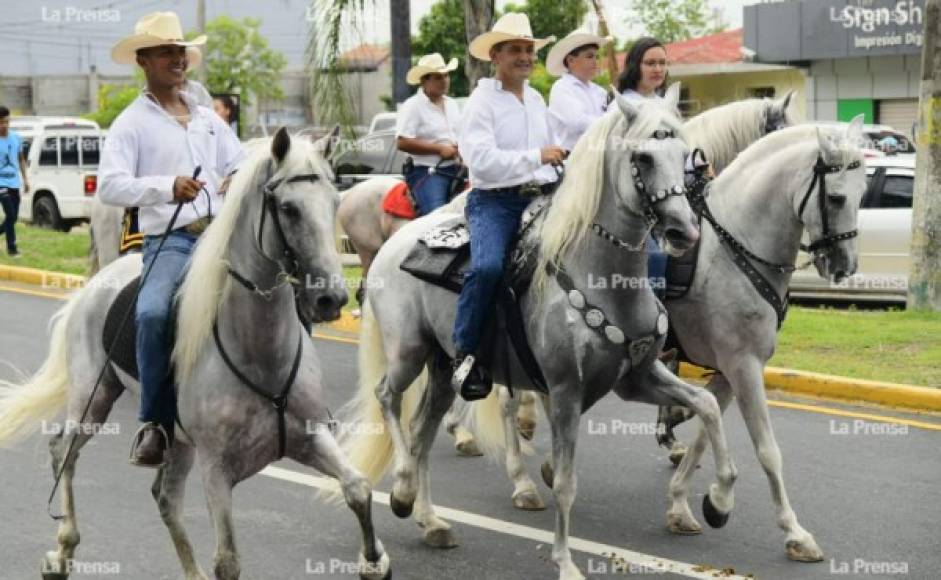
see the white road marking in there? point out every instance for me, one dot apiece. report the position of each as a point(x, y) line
point(610, 553)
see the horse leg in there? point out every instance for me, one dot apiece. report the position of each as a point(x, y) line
point(464, 441)
point(217, 485)
point(328, 458)
point(169, 490)
point(749, 387)
point(526, 416)
point(436, 402)
point(718, 503)
point(565, 418)
point(546, 470)
point(680, 519)
point(56, 565)
point(525, 494)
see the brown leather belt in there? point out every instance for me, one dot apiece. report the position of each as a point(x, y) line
point(196, 228)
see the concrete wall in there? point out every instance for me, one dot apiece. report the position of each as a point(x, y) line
point(717, 89)
point(883, 77)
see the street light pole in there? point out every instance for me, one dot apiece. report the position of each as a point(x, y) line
point(401, 22)
point(924, 280)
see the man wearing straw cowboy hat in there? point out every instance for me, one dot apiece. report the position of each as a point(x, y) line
point(155, 150)
point(427, 128)
point(509, 149)
point(575, 102)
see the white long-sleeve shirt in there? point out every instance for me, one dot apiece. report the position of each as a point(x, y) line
point(419, 118)
point(147, 149)
point(501, 137)
point(573, 106)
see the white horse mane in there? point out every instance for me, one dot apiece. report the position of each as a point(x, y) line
point(207, 283)
point(723, 132)
point(782, 138)
point(578, 198)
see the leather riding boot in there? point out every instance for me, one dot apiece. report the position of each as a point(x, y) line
point(150, 444)
point(471, 379)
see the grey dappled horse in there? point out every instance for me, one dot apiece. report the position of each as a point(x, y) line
point(276, 231)
point(408, 324)
point(765, 200)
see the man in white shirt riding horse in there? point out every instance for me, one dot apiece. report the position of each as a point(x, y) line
point(509, 149)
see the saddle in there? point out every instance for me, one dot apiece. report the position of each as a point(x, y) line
point(124, 339)
point(441, 257)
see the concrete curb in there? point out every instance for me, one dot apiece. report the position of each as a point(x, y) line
point(908, 397)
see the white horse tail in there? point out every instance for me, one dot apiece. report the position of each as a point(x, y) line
point(366, 440)
point(45, 394)
point(486, 423)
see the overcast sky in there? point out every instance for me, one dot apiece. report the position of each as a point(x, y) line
point(68, 36)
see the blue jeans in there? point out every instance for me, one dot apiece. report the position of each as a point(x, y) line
point(656, 268)
point(430, 191)
point(154, 331)
point(10, 199)
point(494, 218)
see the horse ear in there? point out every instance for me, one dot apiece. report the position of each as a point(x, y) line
point(672, 96)
point(627, 108)
point(854, 131)
point(827, 148)
point(325, 144)
point(280, 145)
point(784, 102)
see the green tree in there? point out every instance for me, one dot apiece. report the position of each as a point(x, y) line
point(552, 17)
point(673, 20)
point(238, 60)
point(437, 33)
point(112, 99)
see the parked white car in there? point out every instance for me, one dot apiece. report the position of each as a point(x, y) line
point(884, 242)
point(62, 165)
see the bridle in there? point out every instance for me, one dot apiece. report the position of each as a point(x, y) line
point(821, 169)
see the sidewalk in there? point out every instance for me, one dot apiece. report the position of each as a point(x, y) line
point(843, 389)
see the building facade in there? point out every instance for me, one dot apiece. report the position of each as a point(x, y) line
point(860, 56)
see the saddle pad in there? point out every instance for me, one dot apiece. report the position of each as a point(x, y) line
point(124, 354)
point(440, 264)
point(398, 203)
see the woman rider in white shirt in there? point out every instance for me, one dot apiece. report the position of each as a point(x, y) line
point(575, 102)
point(428, 127)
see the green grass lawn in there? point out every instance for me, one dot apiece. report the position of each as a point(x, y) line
point(895, 346)
point(50, 250)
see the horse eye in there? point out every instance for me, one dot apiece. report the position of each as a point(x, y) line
point(290, 210)
point(837, 200)
point(645, 158)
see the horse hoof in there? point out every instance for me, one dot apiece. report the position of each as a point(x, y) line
point(468, 448)
point(380, 570)
point(529, 501)
point(677, 453)
point(804, 551)
point(50, 569)
point(440, 538)
point(548, 474)
point(400, 508)
point(714, 517)
point(526, 429)
point(683, 526)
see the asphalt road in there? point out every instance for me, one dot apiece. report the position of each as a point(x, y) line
point(869, 494)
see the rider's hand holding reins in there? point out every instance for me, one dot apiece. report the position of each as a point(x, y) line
point(185, 189)
point(552, 155)
point(447, 151)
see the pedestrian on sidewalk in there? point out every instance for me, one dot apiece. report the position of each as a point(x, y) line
point(13, 178)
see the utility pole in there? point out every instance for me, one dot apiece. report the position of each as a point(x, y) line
point(401, 22)
point(201, 27)
point(924, 279)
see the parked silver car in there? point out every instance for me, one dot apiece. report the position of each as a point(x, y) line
point(884, 242)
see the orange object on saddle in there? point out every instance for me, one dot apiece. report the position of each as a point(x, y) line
point(398, 203)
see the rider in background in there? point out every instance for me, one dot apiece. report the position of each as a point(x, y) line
point(428, 127)
point(575, 102)
point(509, 149)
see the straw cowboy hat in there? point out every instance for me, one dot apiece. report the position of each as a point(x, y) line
point(511, 26)
point(154, 29)
point(429, 64)
point(555, 60)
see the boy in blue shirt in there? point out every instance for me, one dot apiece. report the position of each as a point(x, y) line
point(12, 178)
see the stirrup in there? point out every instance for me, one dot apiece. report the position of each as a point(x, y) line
point(138, 436)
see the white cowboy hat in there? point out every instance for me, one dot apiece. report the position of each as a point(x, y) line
point(154, 29)
point(555, 60)
point(429, 64)
point(511, 26)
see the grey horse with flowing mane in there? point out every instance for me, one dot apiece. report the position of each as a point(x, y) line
point(799, 179)
point(625, 176)
point(248, 379)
